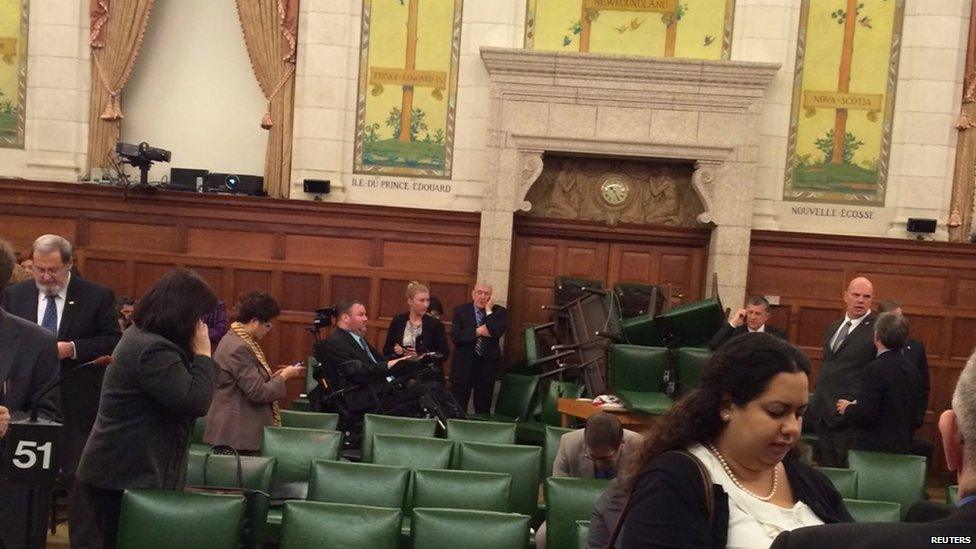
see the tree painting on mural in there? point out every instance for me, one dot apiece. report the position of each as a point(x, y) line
point(843, 101)
point(696, 29)
point(13, 72)
point(407, 87)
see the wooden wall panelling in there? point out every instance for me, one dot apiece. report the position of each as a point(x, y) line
point(22, 230)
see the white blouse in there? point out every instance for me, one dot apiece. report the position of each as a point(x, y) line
point(753, 523)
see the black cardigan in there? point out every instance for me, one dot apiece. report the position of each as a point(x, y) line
point(667, 505)
point(434, 336)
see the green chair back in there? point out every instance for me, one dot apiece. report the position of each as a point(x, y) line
point(641, 330)
point(474, 490)
point(516, 397)
point(582, 534)
point(873, 511)
point(691, 363)
point(295, 449)
point(636, 368)
point(257, 473)
point(301, 405)
point(531, 345)
point(522, 462)
point(376, 424)
point(889, 477)
point(845, 480)
point(412, 452)
point(551, 447)
point(196, 436)
point(465, 430)
point(569, 500)
point(358, 484)
point(311, 364)
point(952, 494)
point(439, 528)
point(317, 525)
point(691, 323)
point(557, 390)
point(309, 420)
point(157, 519)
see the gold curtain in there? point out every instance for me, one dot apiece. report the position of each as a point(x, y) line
point(270, 33)
point(117, 29)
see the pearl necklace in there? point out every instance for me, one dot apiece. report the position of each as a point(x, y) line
point(728, 471)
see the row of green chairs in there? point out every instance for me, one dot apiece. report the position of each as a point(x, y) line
point(289, 418)
point(637, 374)
point(876, 477)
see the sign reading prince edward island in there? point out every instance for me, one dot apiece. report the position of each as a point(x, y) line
point(408, 71)
point(843, 100)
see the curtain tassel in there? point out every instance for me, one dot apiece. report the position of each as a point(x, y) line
point(113, 111)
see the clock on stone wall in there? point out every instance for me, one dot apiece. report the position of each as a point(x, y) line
point(615, 190)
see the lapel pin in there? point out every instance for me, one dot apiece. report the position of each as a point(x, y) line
point(71, 303)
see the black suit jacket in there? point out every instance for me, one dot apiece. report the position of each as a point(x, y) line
point(90, 321)
point(467, 368)
point(886, 405)
point(842, 373)
point(335, 352)
point(727, 332)
point(914, 351)
point(28, 365)
point(903, 535)
point(434, 337)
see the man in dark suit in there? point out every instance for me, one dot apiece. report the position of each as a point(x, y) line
point(349, 360)
point(28, 366)
point(750, 319)
point(958, 429)
point(914, 351)
point(883, 412)
point(82, 316)
point(476, 328)
point(847, 349)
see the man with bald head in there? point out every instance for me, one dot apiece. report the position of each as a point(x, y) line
point(476, 328)
point(847, 349)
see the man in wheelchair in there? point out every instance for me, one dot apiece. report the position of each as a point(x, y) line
point(355, 379)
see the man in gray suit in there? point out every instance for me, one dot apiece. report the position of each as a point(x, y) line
point(28, 365)
point(847, 349)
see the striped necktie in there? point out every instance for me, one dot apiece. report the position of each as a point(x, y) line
point(480, 343)
point(50, 319)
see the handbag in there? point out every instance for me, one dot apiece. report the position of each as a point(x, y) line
point(256, 502)
point(706, 479)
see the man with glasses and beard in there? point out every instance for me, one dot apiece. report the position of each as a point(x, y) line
point(82, 315)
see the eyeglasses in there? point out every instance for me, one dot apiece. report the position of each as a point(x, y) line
point(49, 271)
point(603, 457)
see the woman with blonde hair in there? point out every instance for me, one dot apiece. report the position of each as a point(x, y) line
point(416, 332)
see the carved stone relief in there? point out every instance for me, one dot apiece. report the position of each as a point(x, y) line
point(616, 191)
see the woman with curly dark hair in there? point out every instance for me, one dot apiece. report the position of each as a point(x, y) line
point(719, 469)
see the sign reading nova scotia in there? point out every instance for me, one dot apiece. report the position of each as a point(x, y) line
point(696, 29)
point(843, 100)
point(13, 71)
point(408, 70)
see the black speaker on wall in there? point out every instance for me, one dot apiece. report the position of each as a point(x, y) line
point(317, 186)
point(920, 225)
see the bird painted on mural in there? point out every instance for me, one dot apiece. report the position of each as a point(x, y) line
point(635, 23)
point(865, 22)
point(623, 28)
point(708, 40)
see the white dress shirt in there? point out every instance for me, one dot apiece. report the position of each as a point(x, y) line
point(59, 302)
point(854, 322)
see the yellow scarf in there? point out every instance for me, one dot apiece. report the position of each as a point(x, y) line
point(241, 332)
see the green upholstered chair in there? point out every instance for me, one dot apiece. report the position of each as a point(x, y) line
point(318, 525)
point(358, 484)
point(636, 374)
point(568, 288)
point(295, 449)
point(311, 364)
point(376, 424)
point(691, 324)
point(522, 462)
point(412, 452)
point(873, 511)
point(534, 432)
point(464, 430)
point(474, 490)
point(196, 436)
point(257, 473)
point(582, 534)
point(889, 477)
point(691, 363)
point(516, 398)
point(845, 480)
point(952, 494)
point(551, 447)
point(569, 500)
point(301, 405)
point(440, 528)
point(309, 420)
point(152, 519)
point(641, 330)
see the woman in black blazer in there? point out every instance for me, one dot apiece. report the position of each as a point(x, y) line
point(415, 331)
point(719, 469)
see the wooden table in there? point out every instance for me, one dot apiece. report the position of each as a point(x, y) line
point(571, 407)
